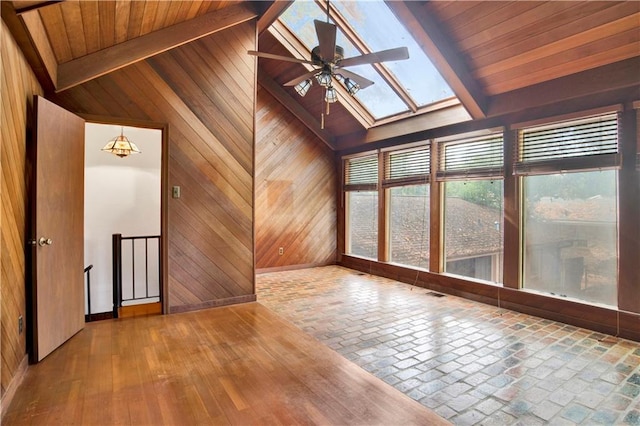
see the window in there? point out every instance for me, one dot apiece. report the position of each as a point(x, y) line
point(472, 171)
point(362, 223)
point(570, 208)
point(367, 18)
point(361, 198)
point(406, 178)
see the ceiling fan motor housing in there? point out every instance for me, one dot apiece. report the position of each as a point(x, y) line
point(318, 60)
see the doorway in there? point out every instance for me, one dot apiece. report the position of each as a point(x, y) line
point(123, 196)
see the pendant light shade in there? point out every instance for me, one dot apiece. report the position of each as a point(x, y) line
point(331, 95)
point(324, 78)
point(352, 86)
point(303, 87)
point(121, 146)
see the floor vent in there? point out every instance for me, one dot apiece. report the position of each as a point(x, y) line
point(433, 294)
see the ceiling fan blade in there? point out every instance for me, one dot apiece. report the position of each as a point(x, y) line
point(302, 78)
point(326, 39)
point(397, 54)
point(360, 80)
point(278, 57)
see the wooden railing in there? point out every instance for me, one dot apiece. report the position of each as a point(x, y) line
point(87, 271)
point(137, 268)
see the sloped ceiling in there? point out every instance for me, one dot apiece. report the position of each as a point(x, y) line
point(499, 57)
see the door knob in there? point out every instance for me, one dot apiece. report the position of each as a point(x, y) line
point(45, 241)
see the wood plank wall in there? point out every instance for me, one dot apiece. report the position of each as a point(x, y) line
point(205, 91)
point(295, 191)
point(18, 87)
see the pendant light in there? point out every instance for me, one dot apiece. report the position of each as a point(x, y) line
point(121, 146)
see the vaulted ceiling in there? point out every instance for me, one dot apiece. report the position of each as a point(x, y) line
point(499, 57)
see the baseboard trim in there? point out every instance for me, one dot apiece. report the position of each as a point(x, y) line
point(143, 309)
point(98, 316)
point(293, 267)
point(13, 386)
point(212, 304)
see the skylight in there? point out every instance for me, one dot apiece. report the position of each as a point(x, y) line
point(379, 29)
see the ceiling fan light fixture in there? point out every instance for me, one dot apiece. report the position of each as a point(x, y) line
point(121, 146)
point(352, 86)
point(328, 62)
point(303, 87)
point(331, 95)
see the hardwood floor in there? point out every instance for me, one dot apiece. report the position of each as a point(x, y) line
point(240, 364)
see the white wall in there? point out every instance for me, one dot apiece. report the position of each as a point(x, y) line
point(122, 196)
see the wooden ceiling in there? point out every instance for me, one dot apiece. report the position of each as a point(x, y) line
point(499, 57)
point(77, 28)
point(512, 45)
point(76, 41)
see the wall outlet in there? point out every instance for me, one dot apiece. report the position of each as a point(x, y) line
point(281, 251)
point(20, 324)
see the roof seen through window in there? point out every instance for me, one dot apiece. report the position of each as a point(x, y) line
point(379, 29)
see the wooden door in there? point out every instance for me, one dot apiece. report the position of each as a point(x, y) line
point(57, 232)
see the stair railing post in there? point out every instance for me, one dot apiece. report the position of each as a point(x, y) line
point(87, 271)
point(117, 272)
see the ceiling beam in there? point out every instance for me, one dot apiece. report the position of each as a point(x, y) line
point(94, 65)
point(440, 118)
point(20, 33)
point(444, 55)
point(619, 75)
point(419, 124)
point(27, 6)
point(38, 35)
point(295, 108)
point(270, 15)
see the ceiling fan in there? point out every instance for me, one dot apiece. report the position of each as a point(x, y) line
point(329, 62)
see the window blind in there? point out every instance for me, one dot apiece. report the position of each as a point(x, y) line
point(407, 166)
point(361, 173)
point(472, 158)
point(582, 144)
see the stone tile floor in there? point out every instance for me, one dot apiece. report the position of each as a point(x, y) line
point(471, 363)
